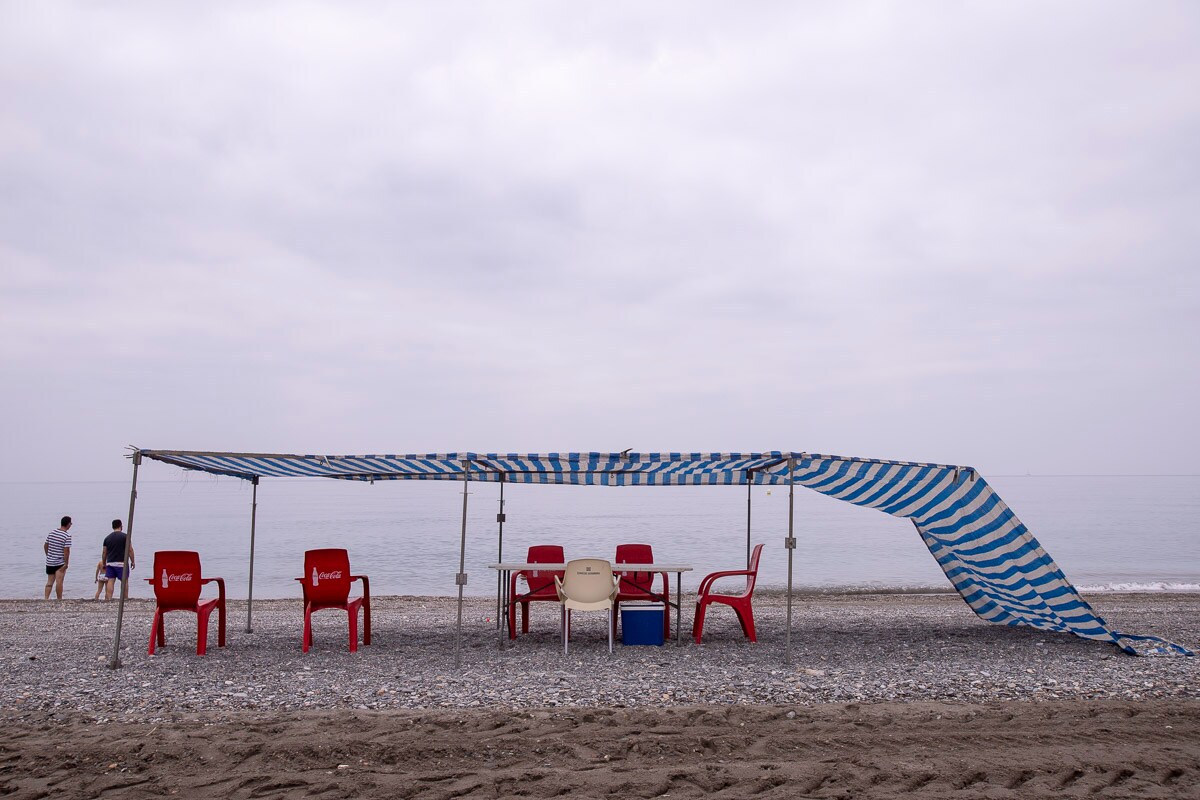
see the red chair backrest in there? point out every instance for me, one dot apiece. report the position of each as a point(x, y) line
point(544, 554)
point(177, 578)
point(635, 554)
point(326, 575)
point(753, 576)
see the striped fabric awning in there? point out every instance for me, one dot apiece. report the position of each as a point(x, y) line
point(989, 556)
point(606, 469)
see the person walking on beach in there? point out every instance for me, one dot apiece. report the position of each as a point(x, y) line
point(113, 556)
point(58, 556)
point(99, 578)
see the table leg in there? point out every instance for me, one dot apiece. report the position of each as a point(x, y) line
point(678, 604)
point(502, 595)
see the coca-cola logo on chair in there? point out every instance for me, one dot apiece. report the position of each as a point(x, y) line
point(168, 579)
point(317, 577)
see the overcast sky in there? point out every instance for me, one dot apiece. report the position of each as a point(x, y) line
point(955, 232)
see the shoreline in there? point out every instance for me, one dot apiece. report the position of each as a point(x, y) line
point(761, 592)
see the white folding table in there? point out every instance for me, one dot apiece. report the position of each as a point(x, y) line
point(506, 569)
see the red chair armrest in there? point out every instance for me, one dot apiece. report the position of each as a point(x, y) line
point(220, 582)
point(547, 575)
point(366, 585)
point(666, 581)
point(710, 578)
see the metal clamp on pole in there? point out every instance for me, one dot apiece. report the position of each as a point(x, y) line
point(790, 542)
point(501, 518)
point(460, 579)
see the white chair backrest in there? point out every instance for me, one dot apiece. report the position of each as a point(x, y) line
point(588, 580)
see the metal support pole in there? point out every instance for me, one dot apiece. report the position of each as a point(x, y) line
point(791, 550)
point(250, 588)
point(115, 661)
point(461, 577)
point(749, 485)
point(500, 553)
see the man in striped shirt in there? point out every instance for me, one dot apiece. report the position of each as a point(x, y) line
point(58, 556)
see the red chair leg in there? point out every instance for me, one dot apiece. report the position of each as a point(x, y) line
point(745, 615)
point(162, 628)
point(352, 613)
point(202, 629)
point(154, 630)
point(221, 625)
point(667, 609)
point(307, 629)
point(525, 617)
point(698, 622)
point(366, 621)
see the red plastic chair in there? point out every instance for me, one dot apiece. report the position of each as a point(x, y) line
point(326, 584)
point(640, 585)
point(177, 585)
point(540, 584)
point(740, 603)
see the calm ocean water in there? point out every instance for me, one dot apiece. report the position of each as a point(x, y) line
point(1106, 533)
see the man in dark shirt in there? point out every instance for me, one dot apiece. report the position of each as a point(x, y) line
point(113, 556)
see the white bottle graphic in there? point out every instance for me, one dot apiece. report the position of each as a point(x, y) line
point(316, 578)
point(164, 579)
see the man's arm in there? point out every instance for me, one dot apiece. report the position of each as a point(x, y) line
point(66, 557)
point(46, 548)
point(132, 557)
point(103, 554)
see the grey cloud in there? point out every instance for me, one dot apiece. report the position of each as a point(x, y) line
point(963, 235)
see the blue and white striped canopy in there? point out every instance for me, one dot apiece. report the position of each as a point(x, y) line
point(990, 557)
point(605, 469)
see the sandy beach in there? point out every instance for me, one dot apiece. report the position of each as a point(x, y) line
point(885, 696)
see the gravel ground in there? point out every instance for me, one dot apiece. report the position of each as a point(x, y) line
point(846, 648)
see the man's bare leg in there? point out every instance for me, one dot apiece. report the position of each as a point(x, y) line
point(108, 588)
point(58, 583)
point(49, 583)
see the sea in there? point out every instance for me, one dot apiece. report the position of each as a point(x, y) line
point(1107, 533)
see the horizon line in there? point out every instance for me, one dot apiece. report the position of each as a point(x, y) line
point(994, 475)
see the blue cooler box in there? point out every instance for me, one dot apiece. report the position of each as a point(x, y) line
point(642, 623)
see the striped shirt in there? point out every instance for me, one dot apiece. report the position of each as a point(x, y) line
point(56, 540)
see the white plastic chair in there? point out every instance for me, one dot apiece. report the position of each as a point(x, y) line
point(588, 584)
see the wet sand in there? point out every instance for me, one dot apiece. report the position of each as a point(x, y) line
point(1015, 749)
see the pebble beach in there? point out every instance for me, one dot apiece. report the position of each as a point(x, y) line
point(920, 657)
point(845, 648)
